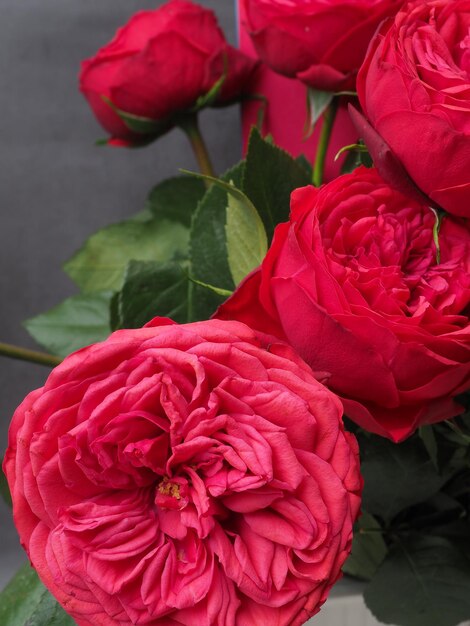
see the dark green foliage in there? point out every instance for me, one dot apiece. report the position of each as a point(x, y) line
point(26, 602)
point(270, 176)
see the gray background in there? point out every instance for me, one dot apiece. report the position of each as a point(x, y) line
point(56, 187)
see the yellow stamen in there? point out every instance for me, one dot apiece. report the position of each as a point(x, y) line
point(167, 488)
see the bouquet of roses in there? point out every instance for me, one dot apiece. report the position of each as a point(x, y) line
point(282, 391)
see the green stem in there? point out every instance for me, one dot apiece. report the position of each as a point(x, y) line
point(190, 126)
point(22, 354)
point(324, 141)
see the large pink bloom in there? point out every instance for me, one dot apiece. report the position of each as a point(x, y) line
point(184, 475)
point(354, 284)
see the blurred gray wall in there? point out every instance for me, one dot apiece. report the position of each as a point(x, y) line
point(56, 187)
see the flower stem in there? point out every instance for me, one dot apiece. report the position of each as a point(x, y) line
point(22, 354)
point(190, 126)
point(323, 143)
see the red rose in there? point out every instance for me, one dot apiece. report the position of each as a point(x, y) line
point(414, 88)
point(184, 475)
point(320, 42)
point(158, 65)
point(353, 284)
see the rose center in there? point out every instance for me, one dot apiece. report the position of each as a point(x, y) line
point(172, 494)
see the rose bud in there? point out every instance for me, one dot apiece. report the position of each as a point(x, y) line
point(414, 88)
point(355, 283)
point(320, 42)
point(184, 475)
point(160, 66)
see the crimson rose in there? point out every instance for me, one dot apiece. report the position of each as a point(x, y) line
point(184, 475)
point(414, 88)
point(157, 66)
point(320, 42)
point(353, 283)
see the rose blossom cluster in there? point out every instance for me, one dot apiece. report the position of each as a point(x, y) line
point(201, 474)
point(181, 475)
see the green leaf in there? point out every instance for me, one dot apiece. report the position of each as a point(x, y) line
point(176, 199)
point(270, 177)
point(368, 549)
point(246, 239)
point(458, 532)
point(228, 186)
point(427, 436)
point(305, 165)
point(453, 451)
point(317, 103)
point(220, 292)
point(457, 435)
point(357, 155)
point(152, 289)
point(208, 248)
point(263, 105)
point(351, 162)
point(211, 96)
point(424, 581)
point(141, 125)
point(347, 92)
point(26, 602)
point(247, 242)
point(4, 489)
point(73, 324)
point(437, 512)
point(352, 147)
point(459, 487)
point(396, 476)
point(101, 263)
point(142, 216)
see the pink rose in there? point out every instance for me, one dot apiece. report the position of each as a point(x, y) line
point(184, 475)
point(353, 283)
point(157, 67)
point(414, 88)
point(320, 42)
